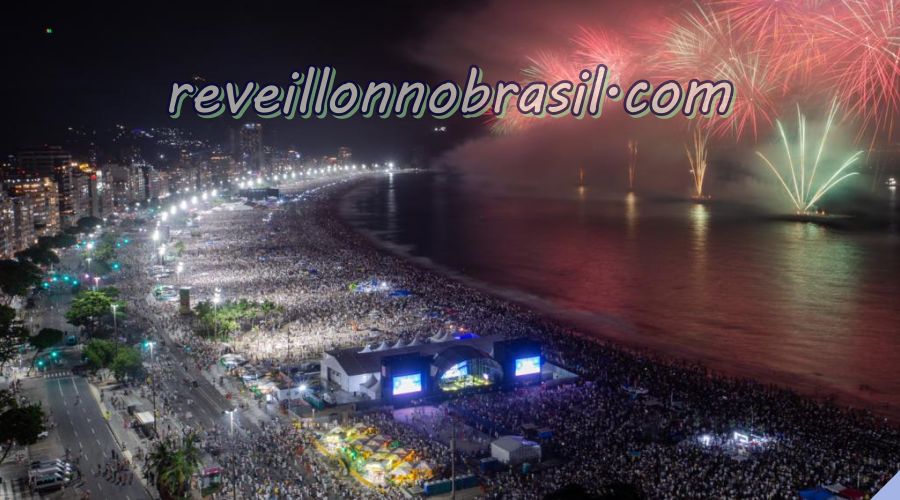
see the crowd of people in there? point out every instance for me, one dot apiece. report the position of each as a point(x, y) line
point(301, 256)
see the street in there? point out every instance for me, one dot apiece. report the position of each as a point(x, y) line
point(81, 424)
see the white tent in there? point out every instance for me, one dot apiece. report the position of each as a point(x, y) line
point(144, 417)
point(441, 337)
point(514, 450)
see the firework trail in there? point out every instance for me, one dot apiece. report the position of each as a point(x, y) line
point(802, 190)
point(697, 156)
point(632, 163)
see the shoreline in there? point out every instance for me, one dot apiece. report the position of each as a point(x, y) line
point(581, 324)
point(632, 417)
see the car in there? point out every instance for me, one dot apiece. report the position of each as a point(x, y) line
point(43, 435)
point(56, 470)
point(49, 483)
point(39, 464)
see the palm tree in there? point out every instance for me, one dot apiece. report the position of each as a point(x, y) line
point(174, 465)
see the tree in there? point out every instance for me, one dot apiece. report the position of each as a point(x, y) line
point(87, 224)
point(45, 339)
point(12, 335)
point(18, 424)
point(230, 316)
point(89, 307)
point(173, 466)
point(60, 240)
point(105, 249)
point(99, 353)
point(17, 278)
point(38, 255)
point(127, 363)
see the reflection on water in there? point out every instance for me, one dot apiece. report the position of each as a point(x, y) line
point(699, 217)
point(631, 213)
point(786, 302)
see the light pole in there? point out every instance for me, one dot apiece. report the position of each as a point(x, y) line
point(162, 253)
point(216, 299)
point(96, 282)
point(178, 269)
point(155, 235)
point(114, 307)
point(89, 265)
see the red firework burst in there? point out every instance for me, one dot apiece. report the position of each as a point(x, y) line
point(862, 42)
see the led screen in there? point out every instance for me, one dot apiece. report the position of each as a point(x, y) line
point(528, 366)
point(407, 384)
point(458, 370)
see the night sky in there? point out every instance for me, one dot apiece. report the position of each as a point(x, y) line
point(110, 64)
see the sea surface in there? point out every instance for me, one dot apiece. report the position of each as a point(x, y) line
point(798, 304)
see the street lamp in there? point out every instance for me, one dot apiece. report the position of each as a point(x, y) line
point(216, 299)
point(89, 265)
point(96, 282)
point(115, 307)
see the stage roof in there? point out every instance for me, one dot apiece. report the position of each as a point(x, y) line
point(355, 361)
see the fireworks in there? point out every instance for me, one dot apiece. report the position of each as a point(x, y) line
point(697, 156)
point(802, 189)
point(632, 163)
point(546, 67)
point(768, 20)
point(863, 44)
point(550, 67)
point(511, 122)
point(594, 47)
point(704, 44)
point(696, 45)
point(771, 51)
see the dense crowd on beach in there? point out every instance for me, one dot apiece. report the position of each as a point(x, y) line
point(302, 257)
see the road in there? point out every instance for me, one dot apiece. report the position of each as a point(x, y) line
point(83, 429)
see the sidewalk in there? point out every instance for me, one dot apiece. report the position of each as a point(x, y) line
point(240, 395)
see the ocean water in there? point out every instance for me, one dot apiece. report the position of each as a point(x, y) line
point(814, 308)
